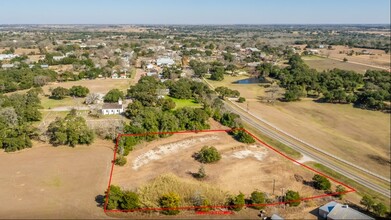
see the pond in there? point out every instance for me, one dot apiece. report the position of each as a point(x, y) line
point(248, 81)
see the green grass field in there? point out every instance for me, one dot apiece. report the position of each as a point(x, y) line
point(181, 103)
point(48, 103)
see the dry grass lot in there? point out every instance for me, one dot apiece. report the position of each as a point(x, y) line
point(379, 57)
point(359, 136)
point(95, 85)
point(243, 168)
point(321, 64)
point(54, 182)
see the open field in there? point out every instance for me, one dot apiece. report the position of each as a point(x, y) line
point(359, 136)
point(95, 85)
point(377, 57)
point(243, 168)
point(54, 182)
point(322, 63)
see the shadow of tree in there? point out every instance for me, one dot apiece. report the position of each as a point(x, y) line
point(100, 200)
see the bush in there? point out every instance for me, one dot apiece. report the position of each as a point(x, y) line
point(292, 198)
point(341, 190)
point(79, 91)
point(200, 174)
point(120, 161)
point(321, 182)
point(241, 99)
point(236, 203)
point(130, 200)
point(257, 198)
point(243, 137)
point(170, 201)
point(208, 155)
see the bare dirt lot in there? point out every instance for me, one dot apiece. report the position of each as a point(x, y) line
point(359, 136)
point(54, 182)
point(243, 168)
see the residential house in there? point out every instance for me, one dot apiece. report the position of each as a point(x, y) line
point(7, 66)
point(165, 61)
point(334, 210)
point(113, 108)
point(7, 56)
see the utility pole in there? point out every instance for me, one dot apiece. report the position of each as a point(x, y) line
point(274, 185)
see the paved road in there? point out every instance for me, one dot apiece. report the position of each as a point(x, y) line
point(259, 125)
point(275, 135)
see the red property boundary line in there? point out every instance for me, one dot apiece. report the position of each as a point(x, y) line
point(350, 189)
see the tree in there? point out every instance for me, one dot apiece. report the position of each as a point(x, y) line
point(292, 198)
point(321, 182)
point(368, 202)
point(218, 74)
point(115, 197)
point(59, 93)
point(114, 95)
point(92, 98)
point(380, 209)
point(236, 203)
point(168, 104)
point(256, 199)
point(208, 155)
point(79, 91)
point(71, 130)
point(345, 59)
point(170, 202)
point(341, 191)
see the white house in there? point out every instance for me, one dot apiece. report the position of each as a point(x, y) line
point(7, 56)
point(113, 108)
point(165, 61)
point(58, 58)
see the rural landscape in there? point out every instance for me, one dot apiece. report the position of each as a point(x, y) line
point(188, 121)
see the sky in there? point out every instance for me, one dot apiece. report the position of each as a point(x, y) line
point(194, 11)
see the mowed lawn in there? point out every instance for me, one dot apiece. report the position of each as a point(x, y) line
point(181, 103)
point(48, 103)
point(321, 64)
point(359, 136)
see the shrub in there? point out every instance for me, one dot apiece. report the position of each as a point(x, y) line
point(243, 137)
point(257, 198)
point(170, 201)
point(241, 99)
point(341, 190)
point(120, 161)
point(200, 174)
point(292, 198)
point(321, 182)
point(236, 203)
point(208, 155)
point(130, 200)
